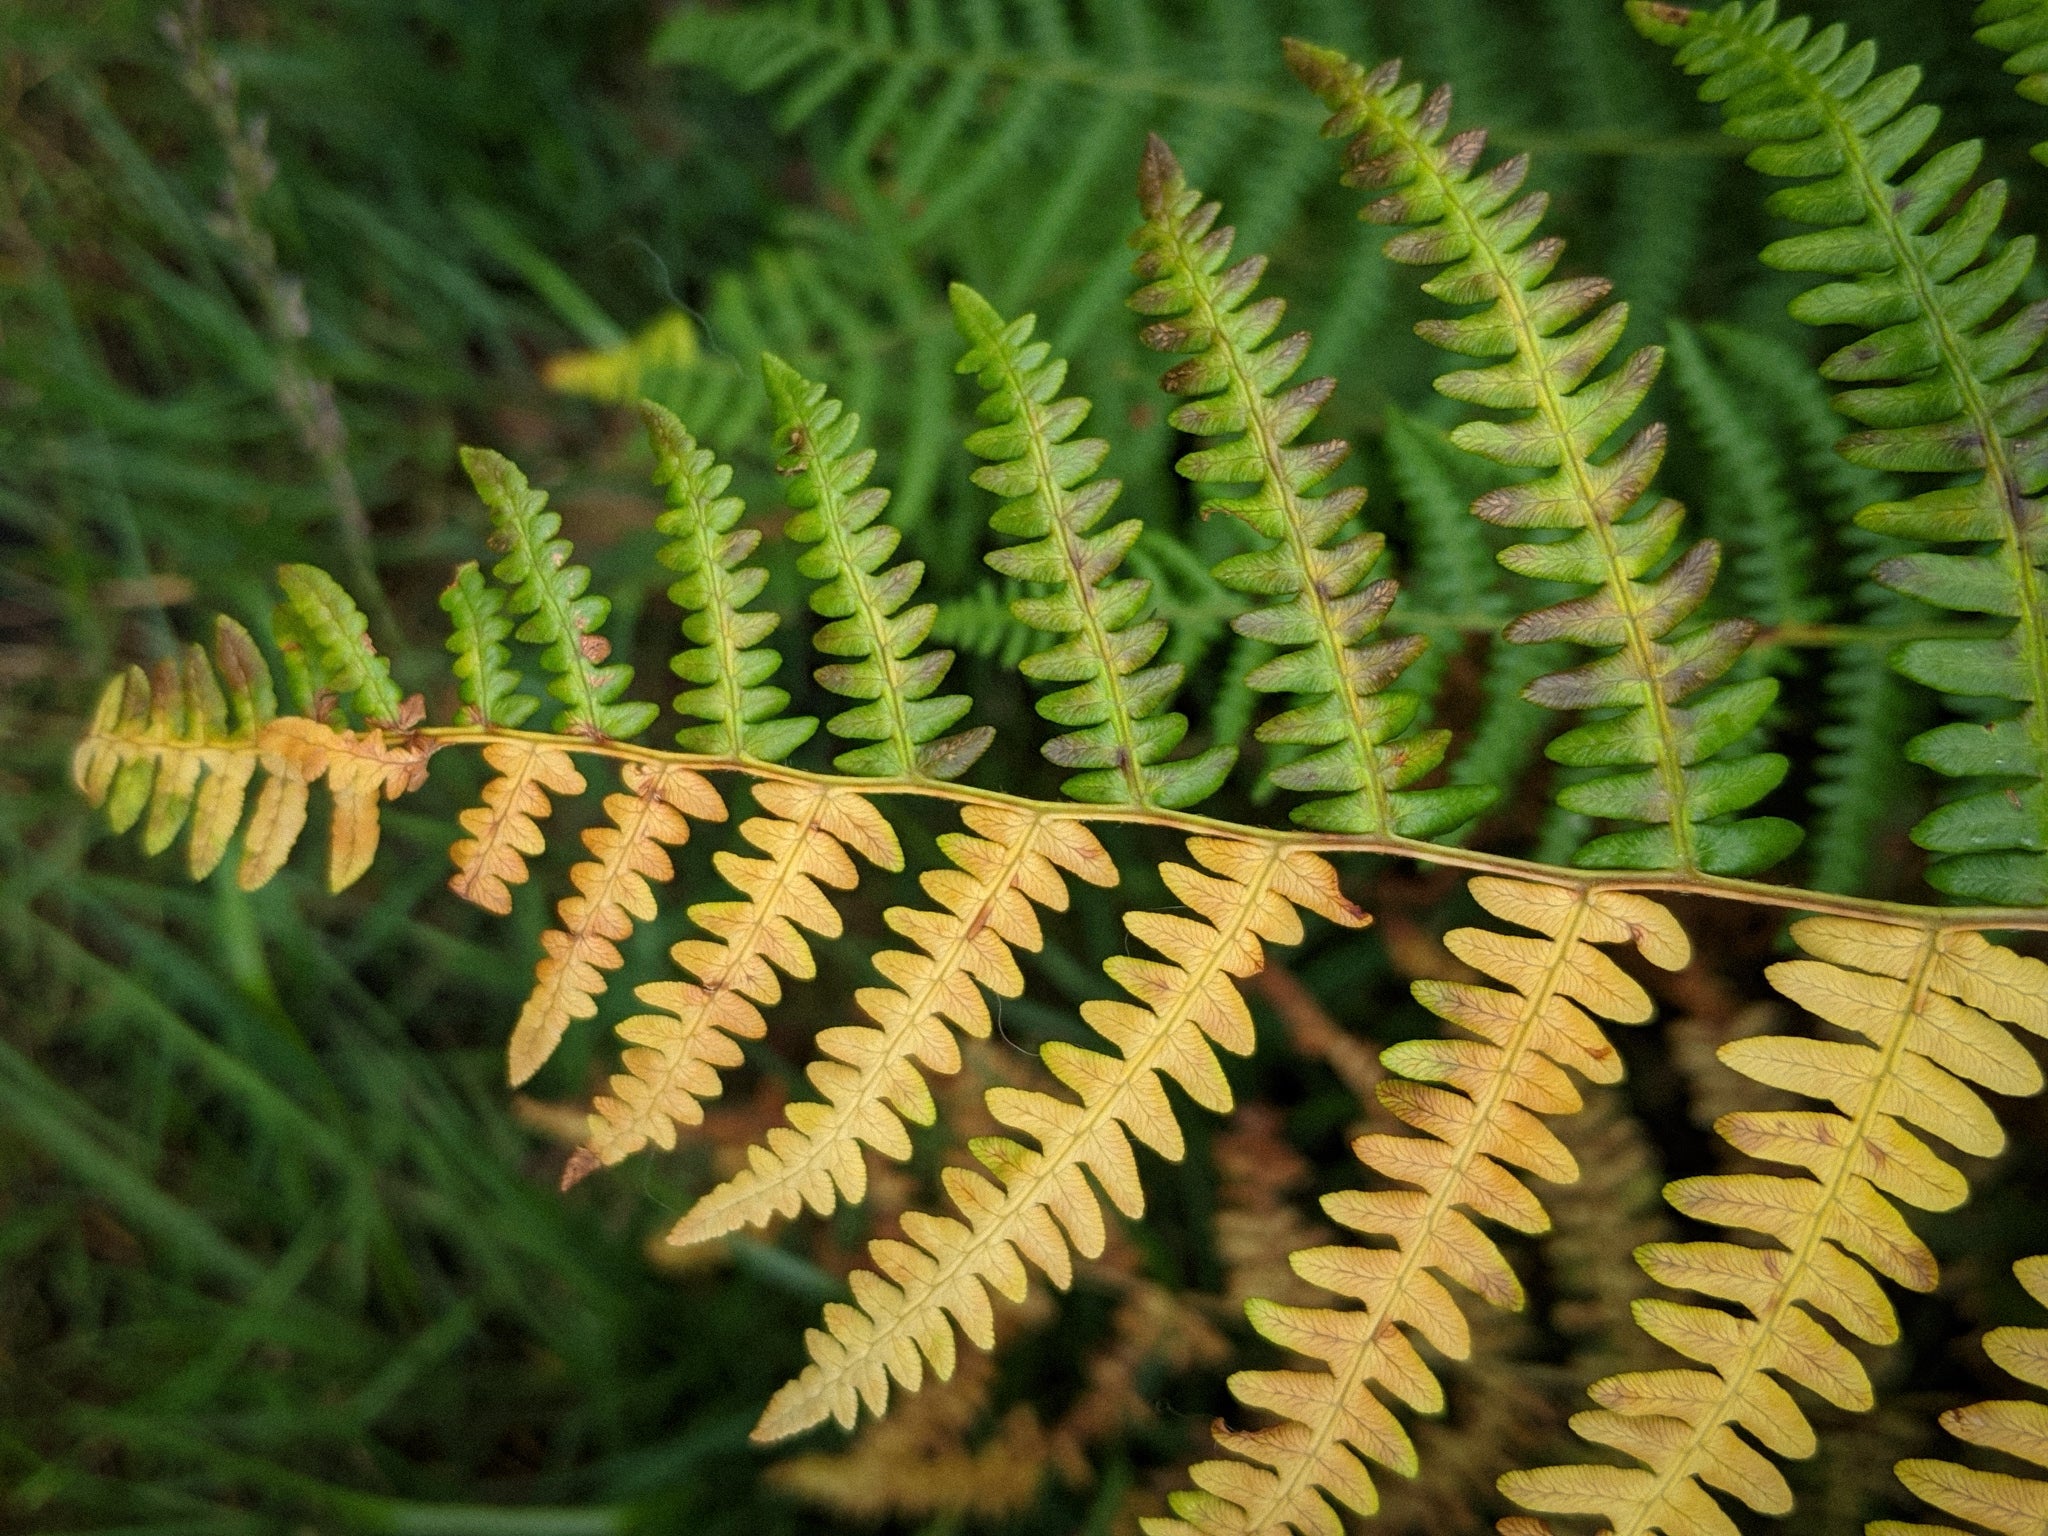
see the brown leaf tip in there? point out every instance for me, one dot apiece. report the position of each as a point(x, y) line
point(1159, 176)
point(581, 1165)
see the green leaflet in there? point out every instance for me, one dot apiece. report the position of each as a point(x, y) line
point(2019, 28)
point(1616, 535)
point(814, 439)
point(728, 665)
point(1937, 382)
point(1116, 697)
point(1320, 612)
point(332, 639)
point(550, 594)
point(484, 675)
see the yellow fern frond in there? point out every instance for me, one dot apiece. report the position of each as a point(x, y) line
point(676, 1053)
point(1998, 1501)
point(504, 832)
point(1475, 1131)
point(182, 749)
point(612, 891)
point(1039, 1203)
point(869, 1078)
point(1928, 1002)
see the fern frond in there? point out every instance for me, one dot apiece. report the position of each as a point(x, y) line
point(1693, 778)
point(1941, 387)
point(612, 891)
point(1236, 382)
point(869, 1080)
point(1116, 698)
point(182, 749)
point(1869, 710)
point(1040, 1200)
point(2019, 29)
point(728, 665)
point(1929, 1003)
point(2016, 1506)
point(1769, 541)
point(484, 675)
point(504, 832)
point(340, 635)
point(552, 596)
point(1476, 1131)
point(814, 438)
point(676, 1053)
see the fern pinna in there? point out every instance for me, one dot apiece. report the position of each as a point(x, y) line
point(1942, 387)
point(1667, 747)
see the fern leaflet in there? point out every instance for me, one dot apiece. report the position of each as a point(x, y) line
point(814, 436)
point(1115, 697)
point(2016, 1506)
point(728, 666)
point(484, 675)
point(560, 614)
point(1941, 387)
point(869, 1080)
point(1929, 1003)
point(1474, 1131)
point(612, 891)
point(1040, 1200)
point(676, 1052)
point(1317, 613)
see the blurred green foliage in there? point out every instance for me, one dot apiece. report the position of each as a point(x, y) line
point(275, 1255)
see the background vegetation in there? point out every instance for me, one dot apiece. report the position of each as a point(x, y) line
point(278, 1252)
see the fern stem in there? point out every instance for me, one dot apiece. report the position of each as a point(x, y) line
point(1723, 887)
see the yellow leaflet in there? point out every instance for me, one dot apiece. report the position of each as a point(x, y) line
point(1927, 1011)
point(504, 832)
point(868, 1077)
point(612, 891)
point(675, 1056)
point(360, 769)
point(1997, 1500)
point(1039, 1204)
point(1476, 1131)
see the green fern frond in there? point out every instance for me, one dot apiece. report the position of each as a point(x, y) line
point(1940, 385)
point(1869, 712)
point(1683, 771)
point(336, 636)
point(1116, 694)
point(814, 439)
point(1320, 611)
point(551, 595)
point(484, 675)
point(2019, 29)
point(727, 664)
point(1770, 546)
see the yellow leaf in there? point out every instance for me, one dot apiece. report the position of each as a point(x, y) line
point(504, 832)
point(868, 1077)
point(613, 891)
point(1035, 1203)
